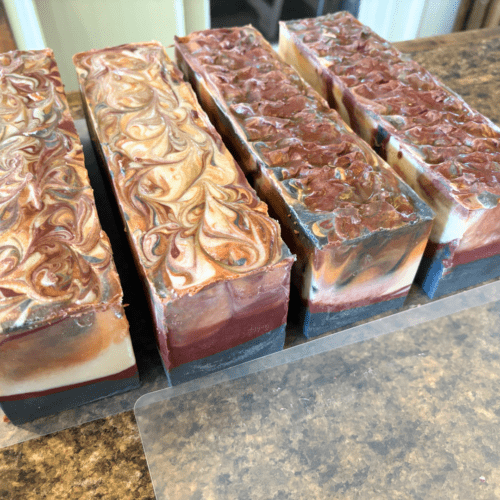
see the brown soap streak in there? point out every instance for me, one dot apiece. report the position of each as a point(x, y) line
point(192, 215)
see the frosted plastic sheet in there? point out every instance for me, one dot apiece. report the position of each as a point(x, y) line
point(213, 437)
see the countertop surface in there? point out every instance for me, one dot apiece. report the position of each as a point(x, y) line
point(447, 376)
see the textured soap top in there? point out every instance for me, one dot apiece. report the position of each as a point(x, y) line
point(54, 258)
point(457, 143)
point(193, 217)
point(342, 187)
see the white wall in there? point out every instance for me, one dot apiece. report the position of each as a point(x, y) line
point(71, 26)
point(398, 20)
point(438, 17)
point(25, 24)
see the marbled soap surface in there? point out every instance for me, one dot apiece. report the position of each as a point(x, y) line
point(415, 414)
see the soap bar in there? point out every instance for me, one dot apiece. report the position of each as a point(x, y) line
point(214, 266)
point(357, 229)
point(446, 151)
point(64, 337)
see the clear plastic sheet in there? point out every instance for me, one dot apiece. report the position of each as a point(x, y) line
point(260, 427)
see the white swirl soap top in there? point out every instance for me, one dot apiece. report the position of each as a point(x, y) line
point(55, 260)
point(192, 215)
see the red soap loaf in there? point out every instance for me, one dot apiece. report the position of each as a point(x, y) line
point(446, 151)
point(215, 268)
point(357, 229)
point(64, 338)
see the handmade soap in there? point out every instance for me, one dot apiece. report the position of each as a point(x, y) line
point(64, 338)
point(357, 229)
point(213, 262)
point(447, 152)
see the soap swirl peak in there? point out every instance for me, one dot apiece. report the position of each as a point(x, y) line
point(54, 257)
point(192, 215)
point(459, 145)
point(341, 188)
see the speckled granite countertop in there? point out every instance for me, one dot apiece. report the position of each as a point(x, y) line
point(101, 459)
point(417, 414)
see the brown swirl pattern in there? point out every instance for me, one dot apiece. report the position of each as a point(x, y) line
point(54, 258)
point(343, 187)
point(456, 142)
point(193, 217)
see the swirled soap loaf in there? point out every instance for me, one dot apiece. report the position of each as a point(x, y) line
point(447, 152)
point(214, 264)
point(357, 229)
point(64, 338)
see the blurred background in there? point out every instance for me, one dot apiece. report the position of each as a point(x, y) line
point(71, 26)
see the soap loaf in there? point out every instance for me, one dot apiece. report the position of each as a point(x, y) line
point(446, 151)
point(213, 262)
point(357, 229)
point(64, 337)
